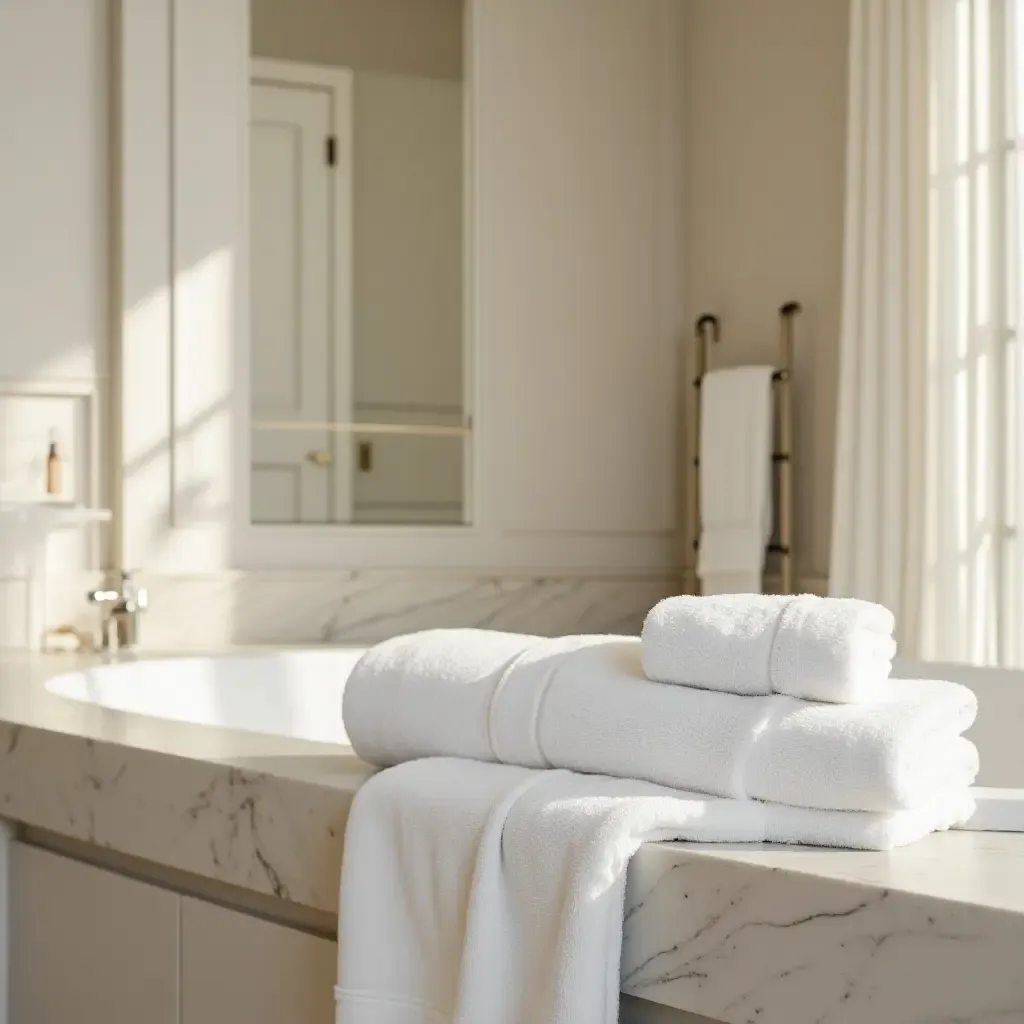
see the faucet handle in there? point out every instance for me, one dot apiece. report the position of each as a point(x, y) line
point(102, 595)
point(131, 591)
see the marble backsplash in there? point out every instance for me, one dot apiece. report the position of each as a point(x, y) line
point(247, 608)
point(204, 612)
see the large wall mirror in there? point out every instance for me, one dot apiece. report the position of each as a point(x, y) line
point(357, 235)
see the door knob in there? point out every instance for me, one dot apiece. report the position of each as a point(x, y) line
point(320, 457)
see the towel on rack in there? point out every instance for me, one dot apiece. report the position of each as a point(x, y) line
point(478, 892)
point(584, 703)
point(829, 649)
point(735, 478)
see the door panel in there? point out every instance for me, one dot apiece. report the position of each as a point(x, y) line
point(291, 248)
point(240, 968)
point(88, 945)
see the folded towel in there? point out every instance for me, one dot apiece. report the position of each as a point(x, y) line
point(583, 703)
point(830, 649)
point(487, 893)
point(995, 810)
point(735, 478)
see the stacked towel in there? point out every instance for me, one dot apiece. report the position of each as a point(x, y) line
point(584, 703)
point(829, 649)
point(492, 893)
point(484, 871)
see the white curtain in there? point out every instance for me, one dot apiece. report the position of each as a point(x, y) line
point(930, 432)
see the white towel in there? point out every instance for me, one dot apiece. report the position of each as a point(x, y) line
point(995, 810)
point(735, 478)
point(490, 894)
point(583, 703)
point(830, 649)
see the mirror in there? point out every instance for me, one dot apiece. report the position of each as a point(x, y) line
point(357, 319)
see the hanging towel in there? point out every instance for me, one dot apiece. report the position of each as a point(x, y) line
point(735, 478)
point(829, 649)
point(584, 703)
point(490, 894)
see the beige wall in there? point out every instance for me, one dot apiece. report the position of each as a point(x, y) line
point(576, 137)
point(766, 126)
point(415, 37)
point(54, 214)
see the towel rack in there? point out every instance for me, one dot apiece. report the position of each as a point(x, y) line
point(708, 332)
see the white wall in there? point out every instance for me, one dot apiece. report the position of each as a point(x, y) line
point(577, 119)
point(54, 209)
point(55, 278)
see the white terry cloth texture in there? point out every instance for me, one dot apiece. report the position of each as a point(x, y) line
point(476, 893)
point(826, 649)
point(995, 810)
point(735, 478)
point(583, 703)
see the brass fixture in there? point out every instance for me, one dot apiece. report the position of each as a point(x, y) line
point(320, 457)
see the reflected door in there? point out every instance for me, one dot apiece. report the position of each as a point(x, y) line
point(296, 476)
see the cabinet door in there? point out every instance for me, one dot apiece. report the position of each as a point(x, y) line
point(88, 945)
point(241, 968)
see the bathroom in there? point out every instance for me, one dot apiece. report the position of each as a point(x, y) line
point(482, 419)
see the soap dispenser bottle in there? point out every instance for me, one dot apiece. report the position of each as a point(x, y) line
point(53, 468)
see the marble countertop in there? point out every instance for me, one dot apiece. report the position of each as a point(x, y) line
point(773, 935)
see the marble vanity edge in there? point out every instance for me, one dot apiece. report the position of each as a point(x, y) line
point(702, 932)
point(267, 833)
point(750, 944)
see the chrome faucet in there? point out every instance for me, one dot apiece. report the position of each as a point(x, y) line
point(123, 606)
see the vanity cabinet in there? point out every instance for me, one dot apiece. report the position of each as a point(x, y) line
point(236, 967)
point(90, 945)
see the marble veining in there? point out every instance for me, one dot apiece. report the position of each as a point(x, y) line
point(748, 945)
point(262, 812)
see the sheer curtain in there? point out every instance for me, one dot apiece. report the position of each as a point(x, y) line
point(929, 488)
